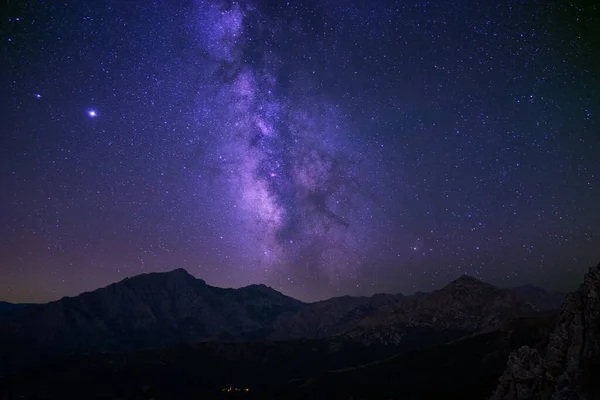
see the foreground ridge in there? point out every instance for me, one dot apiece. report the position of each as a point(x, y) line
point(567, 369)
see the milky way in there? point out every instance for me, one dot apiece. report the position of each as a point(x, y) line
point(320, 147)
point(289, 178)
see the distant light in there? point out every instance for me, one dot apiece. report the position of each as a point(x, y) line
point(38, 96)
point(92, 113)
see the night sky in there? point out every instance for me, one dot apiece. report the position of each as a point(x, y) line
point(320, 147)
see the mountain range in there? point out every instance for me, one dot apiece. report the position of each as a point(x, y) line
point(164, 334)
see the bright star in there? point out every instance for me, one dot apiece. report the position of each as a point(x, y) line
point(92, 113)
point(37, 95)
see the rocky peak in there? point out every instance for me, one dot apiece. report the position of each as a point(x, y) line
point(261, 289)
point(465, 291)
point(561, 370)
point(469, 293)
point(467, 282)
point(175, 275)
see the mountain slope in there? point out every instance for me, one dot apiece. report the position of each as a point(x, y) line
point(464, 306)
point(194, 371)
point(151, 310)
point(464, 369)
point(298, 369)
point(330, 317)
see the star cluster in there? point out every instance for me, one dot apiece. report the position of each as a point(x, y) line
point(323, 148)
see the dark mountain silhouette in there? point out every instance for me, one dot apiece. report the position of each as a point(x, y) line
point(199, 338)
point(151, 310)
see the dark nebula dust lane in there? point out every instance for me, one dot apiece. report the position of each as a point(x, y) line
point(322, 148)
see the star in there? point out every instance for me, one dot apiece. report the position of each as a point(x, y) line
point(324, 164)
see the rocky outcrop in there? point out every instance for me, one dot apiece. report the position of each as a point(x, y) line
point(566, 368)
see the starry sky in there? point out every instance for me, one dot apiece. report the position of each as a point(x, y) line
point(320, 147)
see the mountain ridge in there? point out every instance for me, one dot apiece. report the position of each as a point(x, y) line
point(153, 322)
point(183, 272)
point(160, 309)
